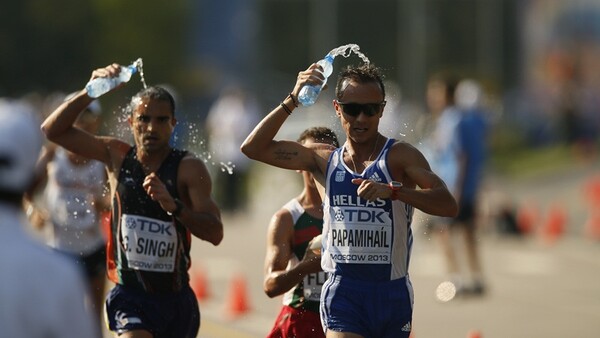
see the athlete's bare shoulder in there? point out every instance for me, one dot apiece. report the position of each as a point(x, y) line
point(323, 150)
point(116, 150)
point(192, 165)
point(403, 146)
point(404, 155)
point(191, 162)
point(404, 149)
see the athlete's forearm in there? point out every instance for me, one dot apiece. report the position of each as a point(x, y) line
point(435, 201)
point(204, 225)
point(64, 116)
point(279, 282)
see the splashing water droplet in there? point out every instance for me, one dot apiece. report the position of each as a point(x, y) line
point(345, 51)
point(140, 66)
point(227, 167)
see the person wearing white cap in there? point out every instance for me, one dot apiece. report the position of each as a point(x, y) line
point(41, 294)
point(161, 198)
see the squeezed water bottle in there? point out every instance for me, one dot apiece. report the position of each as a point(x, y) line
point(309, 93)
point(101, 85)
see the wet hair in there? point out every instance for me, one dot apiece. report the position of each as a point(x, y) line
point(154, 93)
point(320, 135)
point(364, 73)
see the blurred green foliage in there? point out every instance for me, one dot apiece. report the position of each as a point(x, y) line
point(50, 45)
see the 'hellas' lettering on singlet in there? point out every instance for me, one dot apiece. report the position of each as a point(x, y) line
point(355, 201)
point(313, 282)
point(360, 232)
point(149, 244)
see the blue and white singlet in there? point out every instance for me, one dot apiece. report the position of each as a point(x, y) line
point(364, 240)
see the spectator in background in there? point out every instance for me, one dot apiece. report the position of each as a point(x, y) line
point(441, 148)
point(456, 150)
point(472, 131)
point(42, 293)
point(229, 121)
point(439, 143)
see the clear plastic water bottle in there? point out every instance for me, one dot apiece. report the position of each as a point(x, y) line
point(309, 93)
point(101, 85)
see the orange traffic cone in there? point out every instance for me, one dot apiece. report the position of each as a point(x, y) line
point(474, 334)
point(527, 218)
point(592, 226)
point(554, 226)
point(199, 284)
point(592, 191)
point(237, 302)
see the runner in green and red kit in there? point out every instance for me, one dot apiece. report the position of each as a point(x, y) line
point(291, 267)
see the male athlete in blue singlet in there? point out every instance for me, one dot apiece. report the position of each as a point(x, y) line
point(371, 186)
point(161, 197)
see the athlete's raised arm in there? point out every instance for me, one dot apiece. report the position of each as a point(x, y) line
point(261, 145)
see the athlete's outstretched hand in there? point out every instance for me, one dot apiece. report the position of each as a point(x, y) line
point(371, 190)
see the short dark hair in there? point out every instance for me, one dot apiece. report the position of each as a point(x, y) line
point(320, 135)
point(155, 93)
point(364, 73)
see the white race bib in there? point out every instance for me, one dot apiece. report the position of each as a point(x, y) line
point(360, 235)
point(313, 282)
point(149, 244)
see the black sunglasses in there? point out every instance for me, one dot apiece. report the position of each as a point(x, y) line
point(369, 109)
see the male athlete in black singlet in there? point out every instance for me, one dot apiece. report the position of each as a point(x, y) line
point(161, 197)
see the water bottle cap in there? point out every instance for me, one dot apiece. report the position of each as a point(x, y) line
point(329, 58)
point(136, 65)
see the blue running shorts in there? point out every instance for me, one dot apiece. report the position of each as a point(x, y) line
point(370, 309)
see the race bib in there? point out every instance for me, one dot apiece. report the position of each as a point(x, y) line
point(313, 282)
point(360, 235)
point(149, 244)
